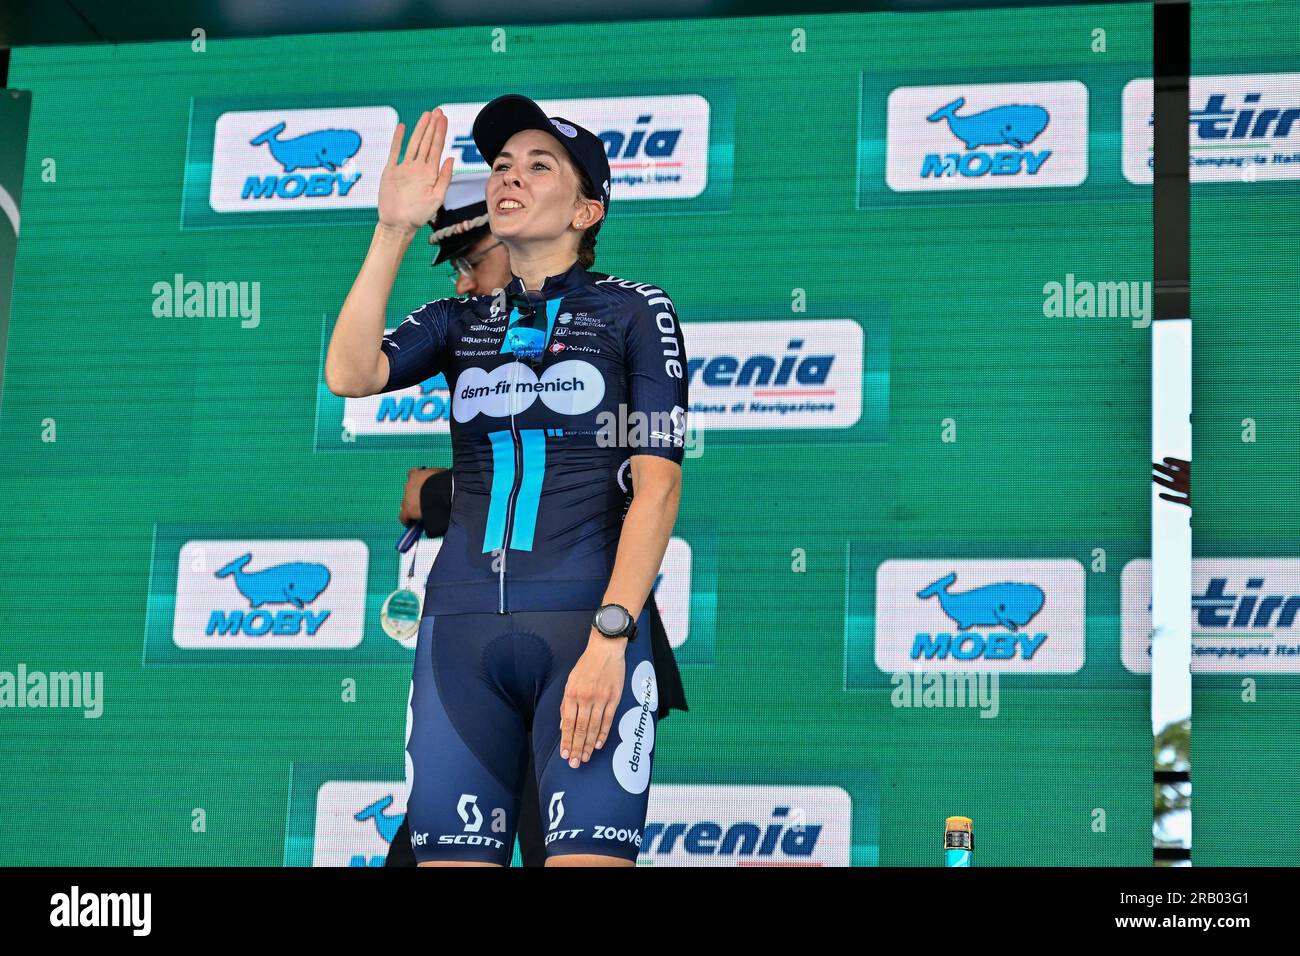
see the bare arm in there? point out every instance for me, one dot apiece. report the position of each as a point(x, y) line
point(410, 193)
point(644, 538)
point(355, 366)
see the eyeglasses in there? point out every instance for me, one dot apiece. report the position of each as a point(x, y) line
point(464, 266)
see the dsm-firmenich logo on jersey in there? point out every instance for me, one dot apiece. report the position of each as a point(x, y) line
point(1244, 615)
point(1243, 128)
point(299, 159)
point(658, 146)
point(1002, 616)
point(706, 825)
point(987, 136)
point(777, 374)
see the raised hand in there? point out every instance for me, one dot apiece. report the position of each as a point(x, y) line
point(412, 191)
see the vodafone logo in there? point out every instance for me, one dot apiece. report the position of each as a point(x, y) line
point(566, 388)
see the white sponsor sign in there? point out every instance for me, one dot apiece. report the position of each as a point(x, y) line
point(271, 594)
point(1244, 128)
point(658, 146)
point(1243, 618)
point(1003, 616)
point(276, 160)
point(707, 825)
point(340, 838)
point(779, 374)
point(987, 136)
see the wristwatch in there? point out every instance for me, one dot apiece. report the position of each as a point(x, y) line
point(614, 620)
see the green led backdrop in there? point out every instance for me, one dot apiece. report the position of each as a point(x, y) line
point(812, 209)
point(1245, 224)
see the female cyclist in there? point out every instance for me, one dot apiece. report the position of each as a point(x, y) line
point(568, 391)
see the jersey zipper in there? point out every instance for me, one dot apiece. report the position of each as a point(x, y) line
point(515, 485)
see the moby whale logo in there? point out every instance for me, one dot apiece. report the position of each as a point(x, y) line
point(1005, 616)
point(320, 149)
point(1017, 126)
point(1008, 605)
point(986, 136)
point(386, 825)
point(270, 595)
point(314, 159)
point(295, 582)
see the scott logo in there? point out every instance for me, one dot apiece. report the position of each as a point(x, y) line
point(469, 803)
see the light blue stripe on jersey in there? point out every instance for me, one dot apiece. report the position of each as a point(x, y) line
point(503, 479)
point(530, 490)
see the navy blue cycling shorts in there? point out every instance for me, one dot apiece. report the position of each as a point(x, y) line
point(481, 681)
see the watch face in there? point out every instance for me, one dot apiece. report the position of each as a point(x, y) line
point(611, 620)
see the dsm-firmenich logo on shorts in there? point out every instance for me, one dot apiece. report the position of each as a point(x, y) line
point(777, 374)
point(1003, 616)
point(707, 825)
point(658, 146)
point(290, 159)
point(987, 136)
point(1244, 615)
point(1243, 128)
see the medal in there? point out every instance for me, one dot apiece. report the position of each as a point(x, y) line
point(400, 615)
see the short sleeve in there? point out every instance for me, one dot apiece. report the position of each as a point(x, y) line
point(417, 348)
point(656, 370)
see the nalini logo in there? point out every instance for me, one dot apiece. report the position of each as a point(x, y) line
point(270, 594)
point(299, 158)
point(1003, 616)
point(983, 136)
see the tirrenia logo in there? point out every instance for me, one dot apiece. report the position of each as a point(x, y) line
point(270, 594)
point(777, 374)
point(970, 615)
point(702, 825)
point(1244, 615)
point(658, 146)
point(1244, 128)
point(983, 136)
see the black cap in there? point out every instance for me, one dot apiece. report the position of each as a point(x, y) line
point(506, 115)
point(462, 219)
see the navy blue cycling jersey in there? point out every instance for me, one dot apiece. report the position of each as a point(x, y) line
point(546, 411)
